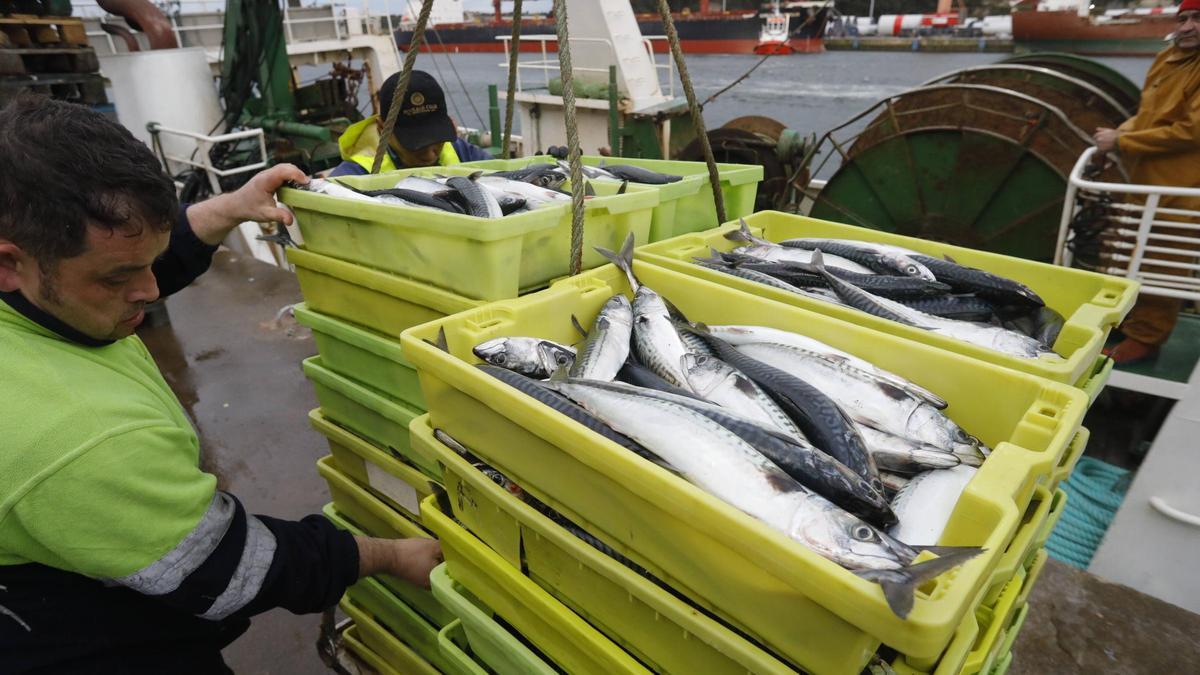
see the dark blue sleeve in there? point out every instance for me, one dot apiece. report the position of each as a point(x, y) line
point(348, 168)
point(469, 152)
point(185, 259)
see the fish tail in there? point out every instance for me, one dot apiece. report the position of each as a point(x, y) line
point(441, 342)
point(623, 260)
point(742, 233)
point(899, 586)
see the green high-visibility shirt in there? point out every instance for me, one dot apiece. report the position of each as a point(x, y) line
point(99, 473)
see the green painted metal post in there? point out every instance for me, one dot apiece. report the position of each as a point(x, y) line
point(494, 119)
point(614, 119)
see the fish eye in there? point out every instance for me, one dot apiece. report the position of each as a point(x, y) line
point(862, 533)
point(561, 360)
point(500, 359)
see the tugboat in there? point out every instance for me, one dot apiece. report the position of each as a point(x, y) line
point(774, 38)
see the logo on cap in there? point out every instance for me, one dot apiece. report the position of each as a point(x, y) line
point(417, 99)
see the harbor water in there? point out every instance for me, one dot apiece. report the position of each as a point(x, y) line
point(809, 93)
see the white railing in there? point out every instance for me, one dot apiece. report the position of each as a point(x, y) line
point(547, 65)
point(204, 143)
point(1140, 235)
point(346, 18)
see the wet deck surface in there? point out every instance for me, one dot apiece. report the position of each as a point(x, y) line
point(237, 371)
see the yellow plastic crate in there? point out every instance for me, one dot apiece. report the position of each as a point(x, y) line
point(363, 508)
point(684, 206)
point(994, 622)
point(1069, 459)
point(662, 631)
point(1091, 303)
point(1095, 379)
point(557, 632)
point(393, 481)
point(791, 599)
point(481, 258)
point(1022, 545)
point(981, 641)
point(363, 355)
point(364, 653)
point(381, 301)
point(420, 599)
point(1057, 508)
point(370, 414)
point(397, 656)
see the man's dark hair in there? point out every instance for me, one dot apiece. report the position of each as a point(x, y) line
point(64, 167)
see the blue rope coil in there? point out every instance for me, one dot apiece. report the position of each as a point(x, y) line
point(1095, 491)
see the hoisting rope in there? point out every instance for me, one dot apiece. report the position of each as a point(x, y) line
point(573, 154)
point(410, 58)
point(697, 115)
point(514, 49)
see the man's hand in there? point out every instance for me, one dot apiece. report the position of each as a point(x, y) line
point(408, 559)
point(1106, 139)
point(214, 218)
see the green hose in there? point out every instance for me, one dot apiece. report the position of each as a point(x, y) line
point(1095, 491)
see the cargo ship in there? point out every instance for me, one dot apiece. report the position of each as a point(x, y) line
point(1140, 32)
point(707, 31)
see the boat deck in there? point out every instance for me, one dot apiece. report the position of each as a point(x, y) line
point(236, 370)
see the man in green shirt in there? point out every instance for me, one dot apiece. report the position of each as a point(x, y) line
point(117, 553)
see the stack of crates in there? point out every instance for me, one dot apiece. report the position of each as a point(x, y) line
point(367, 273)
point(696, 586)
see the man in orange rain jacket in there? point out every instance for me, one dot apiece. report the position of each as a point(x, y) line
point(1161, 146)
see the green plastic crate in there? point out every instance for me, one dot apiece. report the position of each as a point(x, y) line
point(684, 206)
point(366, 412)
point(1003, 664)
point(1036, 564)
point(365, 356)
point(665, 633)
point(381, 301)
point(490, 642)
point(403, 622)
point(1010, 638)
point(359, 649)
point(1091, 303)
point(420, 599)
point(396, 656)
point(452, 640)
point(393, 481)
point(794, 601)
point(485, 259)
point(565, 638)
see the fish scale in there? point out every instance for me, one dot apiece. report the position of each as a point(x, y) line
point(817, 415)
point(880, 405)
point(718, 461)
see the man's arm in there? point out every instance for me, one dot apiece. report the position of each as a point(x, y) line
point(151, 521)
point(1184, 134)
point(469, 152)
point(201, 227)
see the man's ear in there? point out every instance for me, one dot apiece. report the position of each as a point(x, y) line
point(11, 259)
